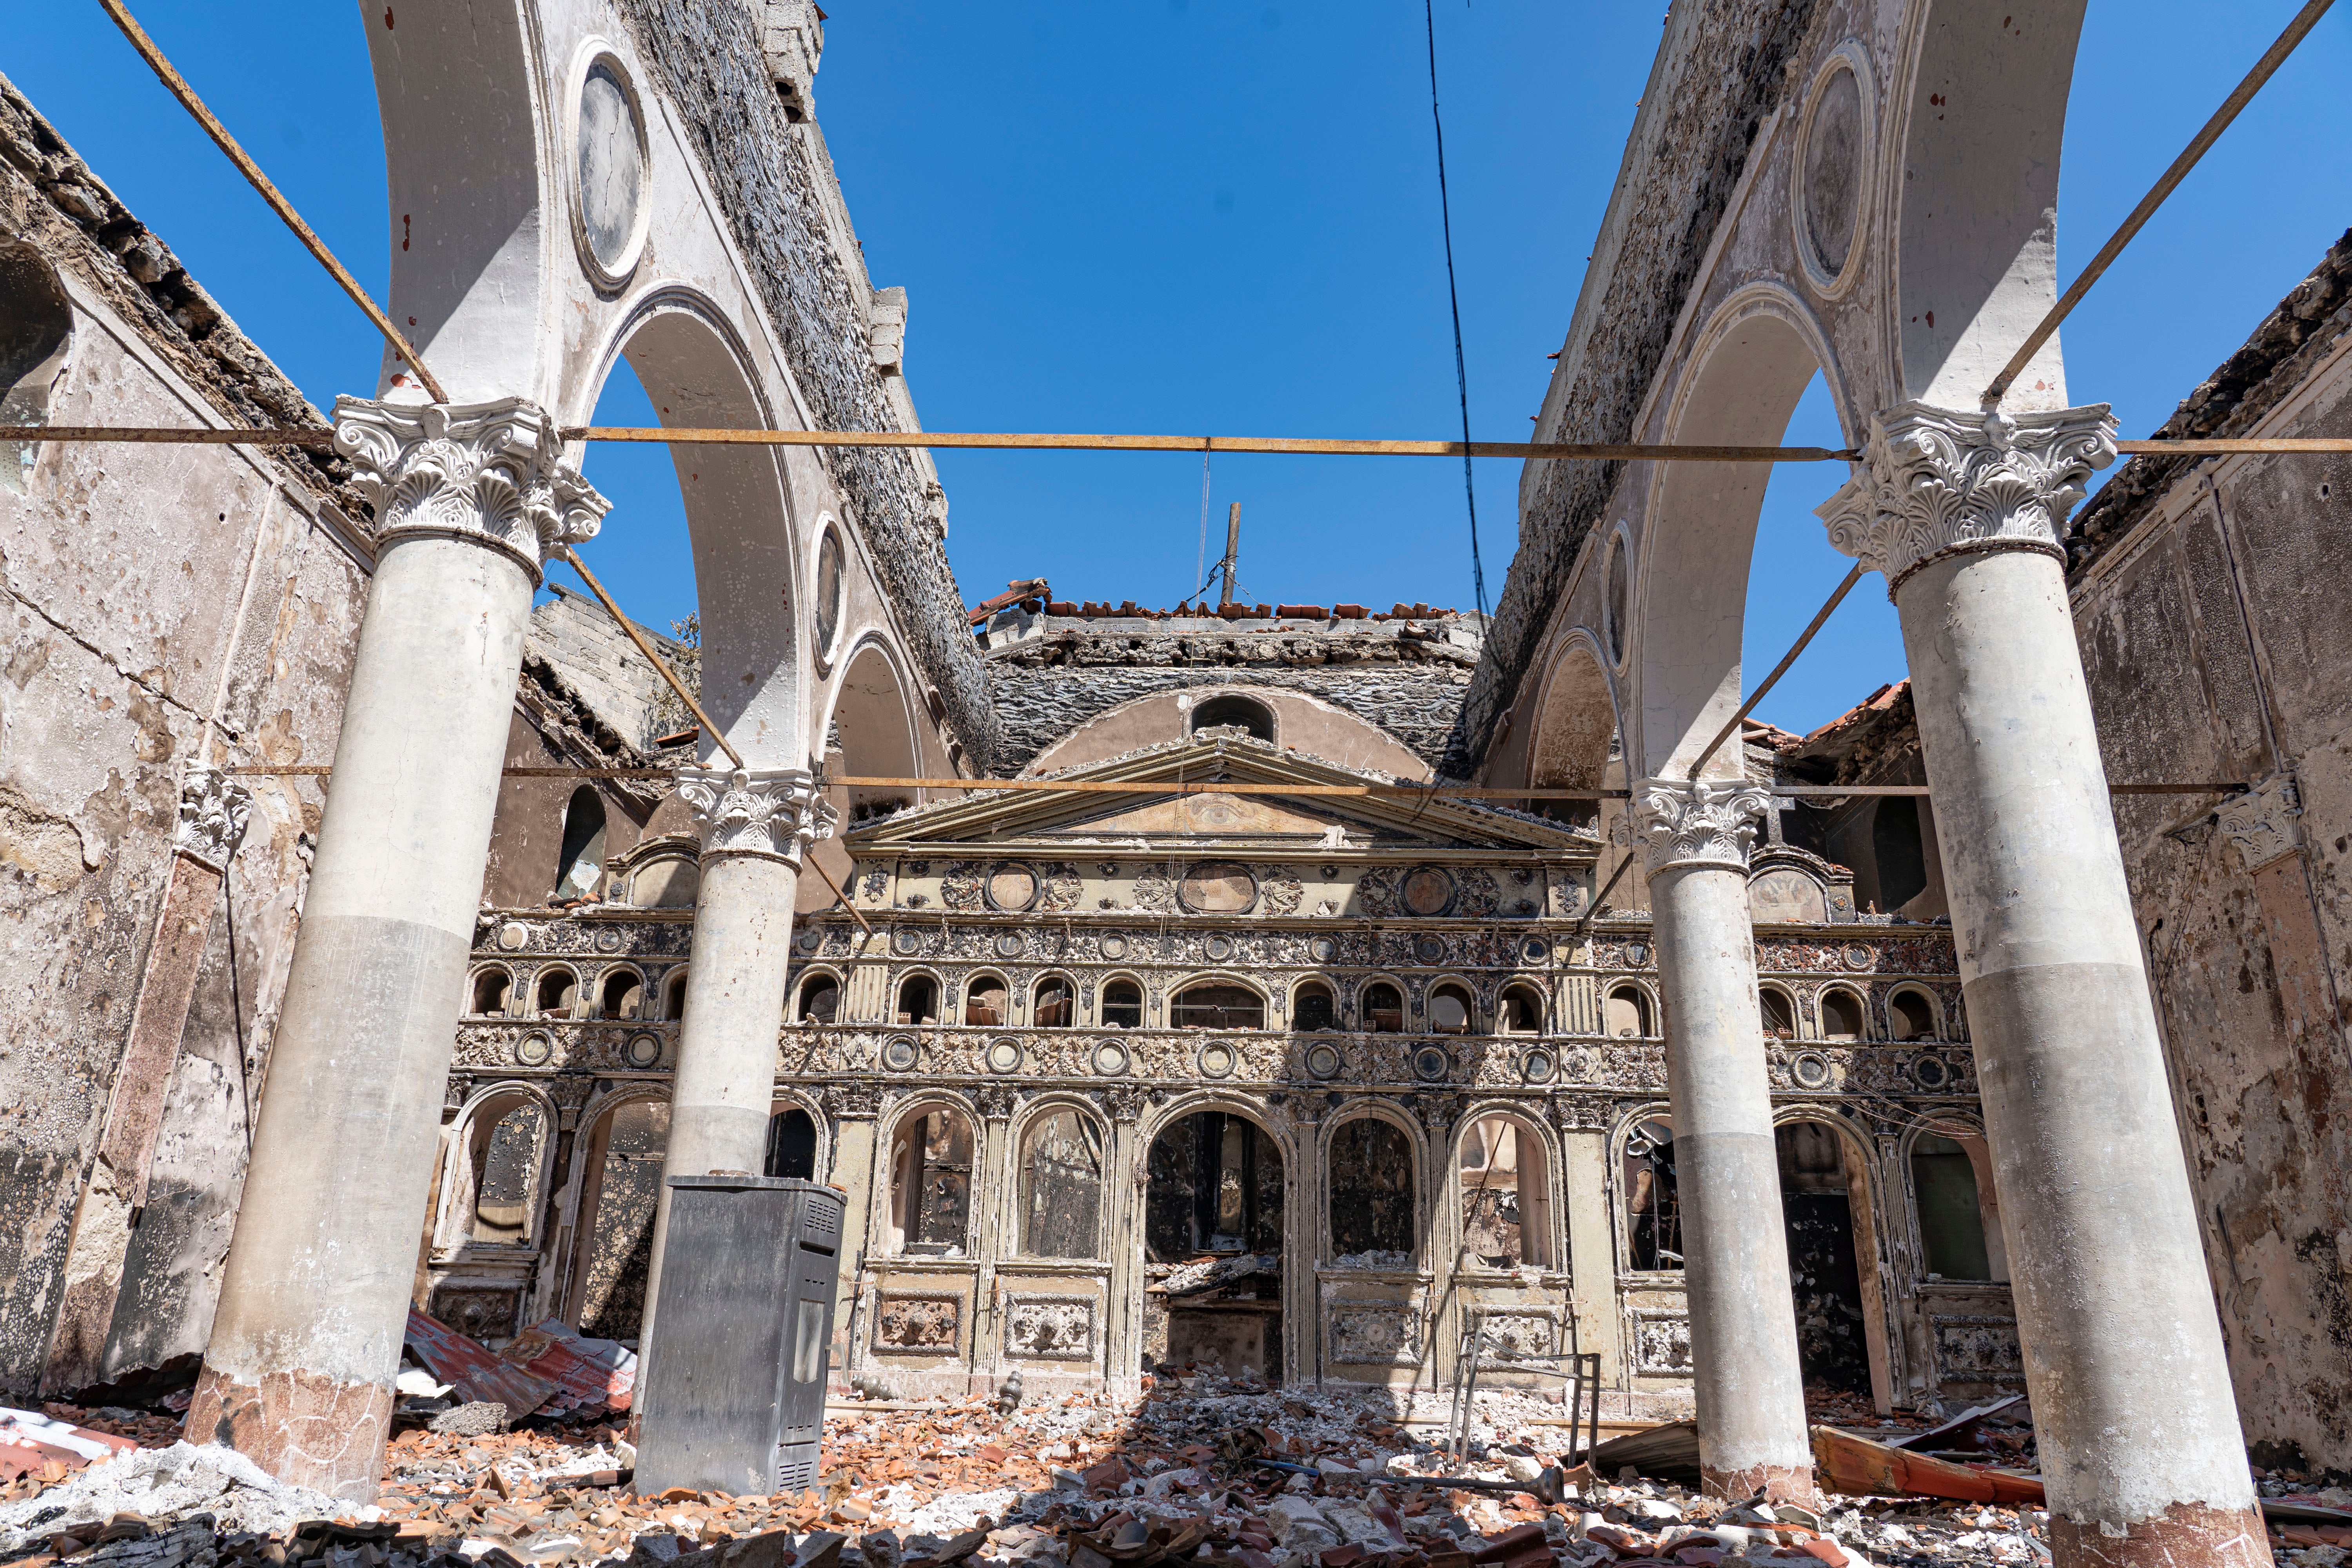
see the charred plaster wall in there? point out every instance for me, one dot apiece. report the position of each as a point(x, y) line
point(162, 604)
point(774, 180)
point(2211, 604)
point(1720, 72)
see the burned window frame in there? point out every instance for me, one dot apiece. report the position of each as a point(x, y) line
point(971, 984)
point(1788, 998)
point(1224, 981)
point(1103, 1002)
point(1469, 998)
point(1861, 1034)
point(1503, 1010)
point(1645, 1007)
point(1364, 1004)
point(1928, 1000)
point(538, 982)
point(1254, 1204)
point(940, 988)
point(782, 1105)
point(901, 1213)
point(461, 1182)
point(1624, 1193)
point(1538, 1245)
point(474, 983)
point(1971, 1139)
point(1416, 1147)
point(813, 973)
point(1037, 1003)
point(592, 1164)
point(673, 995)
point(1033, 1120)
point(1293, 998)
point(604, 979)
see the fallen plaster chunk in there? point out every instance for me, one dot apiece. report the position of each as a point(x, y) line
point(163, 1485)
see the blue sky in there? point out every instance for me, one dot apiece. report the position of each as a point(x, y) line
point(1222, 215)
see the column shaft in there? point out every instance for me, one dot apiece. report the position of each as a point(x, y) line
point(1750, 1386)
point(2139, 1437)
point(314, 1302)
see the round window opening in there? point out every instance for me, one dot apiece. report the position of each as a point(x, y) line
point(828, 593)
point(611, 166)
point(1619, 572)
point(1832, 172)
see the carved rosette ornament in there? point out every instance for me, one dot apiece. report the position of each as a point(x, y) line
point(1682, 823)
point(2265, 823)
point(776, 814)
point(1934, 482)
point(490, 472)
point(214, 810)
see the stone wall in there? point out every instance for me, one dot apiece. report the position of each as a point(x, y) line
point(163, 603)
point(768, 179)
point(2216, 630)
point(1720, 70)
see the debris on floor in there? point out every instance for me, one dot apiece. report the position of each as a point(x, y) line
point(1218, 1473)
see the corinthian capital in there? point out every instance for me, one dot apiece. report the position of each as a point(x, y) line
point(2265, 823)
point(1934, 481)
point(1681, 823)
point(490, 472)
point(214, 808)
point(777, 815)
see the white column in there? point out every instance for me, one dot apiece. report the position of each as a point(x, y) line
point(1752, 1435)
point(2141, 1449)
point(755, 826)
point(314, 1301)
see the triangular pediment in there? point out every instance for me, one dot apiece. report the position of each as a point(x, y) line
point(1333, 805)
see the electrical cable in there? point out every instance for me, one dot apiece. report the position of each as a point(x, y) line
point(1453, 298)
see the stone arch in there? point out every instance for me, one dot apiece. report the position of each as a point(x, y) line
point(619, 1188)
point(466, 1158)
point(1741, 382)
point(787, 1101)
point(923, 1199)
point(1863, 1197)
point(809, 985)
point(1967, 1132)
point(1970, 190)
point(1057, 1203)
point(1381, 1226)
point(1577, 733)
point(1541, 1237)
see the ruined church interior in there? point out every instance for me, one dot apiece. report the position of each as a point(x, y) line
point(884, 1071)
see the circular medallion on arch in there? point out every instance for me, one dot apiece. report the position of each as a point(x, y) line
point(1218, 1058)
point(1426, 891)
point(1931, 1073)
point(809, 941)
point(1323, 1061)
point(534, 1050)
point(1637, 953)
point(642, 1051)
point(899, 1053)
point(1219, 949)
point(1831, 172)
point(1811, 1069)
point(1537, 1065)
point(1431, 1064)
point(1011, 886)
point(611, 165)
point(1109, 1059)
point(1113, 946)
point(1857, 956)
point(906, 943)
point(1535, 950)
point(1323, 949)
point(829, 591)
point(513, 936)
point(1008, 944)
point(1218, 888)
point(1004, 1056)
point(1428, 949)
point(608, 942)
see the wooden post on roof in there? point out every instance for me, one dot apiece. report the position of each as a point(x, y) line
point(1232, 556)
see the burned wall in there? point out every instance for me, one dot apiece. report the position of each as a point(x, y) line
point(164, 604)
point(2216, 630)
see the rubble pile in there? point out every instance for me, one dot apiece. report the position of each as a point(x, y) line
point(1201, 1470)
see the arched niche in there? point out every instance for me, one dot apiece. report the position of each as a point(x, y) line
point(1751, 365)
point(1576, 731)
point(1974, 185)
point(870, 733)
point(1830, 1207)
